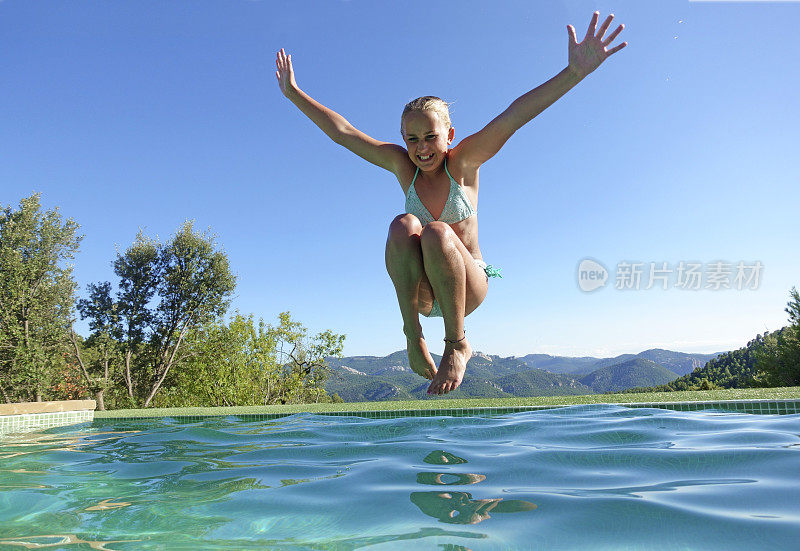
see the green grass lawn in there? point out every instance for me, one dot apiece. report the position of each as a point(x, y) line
point(648, 397)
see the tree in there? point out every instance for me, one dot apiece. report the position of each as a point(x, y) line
point(304, 360)
point(37, 293)
point(780, 357)
point(251, 363)
point(138, 272)
point(101, 309)
point(194, 288)
point(165, 291)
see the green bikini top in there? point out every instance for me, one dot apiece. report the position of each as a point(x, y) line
point(457, 207)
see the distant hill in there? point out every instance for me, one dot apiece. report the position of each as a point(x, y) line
point(536, 382)
point(734, 369)
point(371, 378)
point(677, 362)
point(636, 372)
point(560, 364)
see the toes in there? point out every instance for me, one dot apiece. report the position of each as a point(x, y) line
point(442, 387)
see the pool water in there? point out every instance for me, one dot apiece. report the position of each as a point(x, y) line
point(582, 477)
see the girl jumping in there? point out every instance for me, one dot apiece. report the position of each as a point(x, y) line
point(432, 252)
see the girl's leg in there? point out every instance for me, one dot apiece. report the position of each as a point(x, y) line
point(404, 264)
point(459, 286)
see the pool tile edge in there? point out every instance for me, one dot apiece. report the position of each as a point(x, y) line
point(32, 416)
point(754, 406)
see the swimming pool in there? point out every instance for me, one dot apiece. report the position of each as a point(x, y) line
point(579, 477)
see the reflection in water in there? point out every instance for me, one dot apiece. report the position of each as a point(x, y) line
point(108, 504)
point(449, 479)
point(459, 507)
point(55, 540)
point(638, 491)
point(32, 443)
point(440, 457)
point(367, 541)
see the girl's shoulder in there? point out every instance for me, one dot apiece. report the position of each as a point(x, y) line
point(462, 172)
point(405, 170)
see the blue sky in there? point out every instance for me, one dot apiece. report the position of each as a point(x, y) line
point(682, 147)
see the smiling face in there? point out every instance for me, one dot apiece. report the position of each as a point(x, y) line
point(427, 138)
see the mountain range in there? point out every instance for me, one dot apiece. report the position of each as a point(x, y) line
point(374, 378)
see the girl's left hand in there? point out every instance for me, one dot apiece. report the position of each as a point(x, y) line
point(586, 56)
point(285, 73)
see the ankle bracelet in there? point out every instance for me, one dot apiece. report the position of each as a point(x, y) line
point(454, 341)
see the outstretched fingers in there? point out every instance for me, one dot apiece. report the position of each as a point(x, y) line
point(284, 73)
point(604, 26)
point(571, 31)
point(617, 48)
point(592, 25)
point(279, 63)
point(597, 34)
point(610, 38)
point(283, 61)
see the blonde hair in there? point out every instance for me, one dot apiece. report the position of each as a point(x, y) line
point(428, 103)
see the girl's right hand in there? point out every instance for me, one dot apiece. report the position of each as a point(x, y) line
point(285, 73)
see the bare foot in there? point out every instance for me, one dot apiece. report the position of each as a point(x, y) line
point(419, 358)
point(451, 368)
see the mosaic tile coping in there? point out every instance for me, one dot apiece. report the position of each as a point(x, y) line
point(762, 407)
point(31, 416)
point(15, 418)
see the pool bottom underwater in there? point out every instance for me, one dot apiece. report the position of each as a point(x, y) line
point(578, 477)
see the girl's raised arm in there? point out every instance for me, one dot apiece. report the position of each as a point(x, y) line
point(584, 57)
point(383, 154)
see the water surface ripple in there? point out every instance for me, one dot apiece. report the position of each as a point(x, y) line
point(583, 477)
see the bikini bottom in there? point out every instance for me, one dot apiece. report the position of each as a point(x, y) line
point(491, 271)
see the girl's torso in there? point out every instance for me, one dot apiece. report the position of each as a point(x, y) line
point(434, 191)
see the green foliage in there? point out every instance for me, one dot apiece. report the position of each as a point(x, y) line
point(161, 339)
point(780, 356)
point(194, 288)
point(733, 369)
point(165, 292)
point(249, 363)
point(771, 360)
point(98, 355)
point(36, 298)
point(163, 326)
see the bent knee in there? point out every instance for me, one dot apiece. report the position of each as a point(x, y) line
point(436, 234)
point(405, 225)
point(403, 235)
